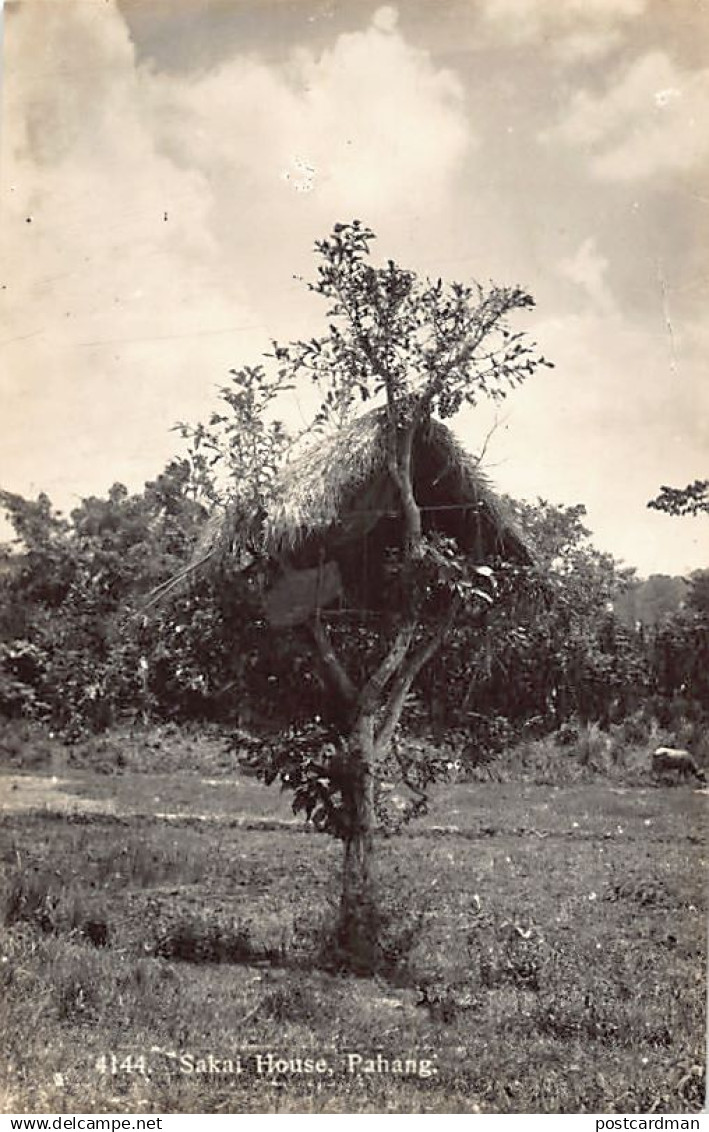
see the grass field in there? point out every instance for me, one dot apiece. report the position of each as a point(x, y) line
point(546, 950)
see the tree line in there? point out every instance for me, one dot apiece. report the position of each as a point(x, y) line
point(81, 650)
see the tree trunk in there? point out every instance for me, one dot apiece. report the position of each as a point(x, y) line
point(358, 927)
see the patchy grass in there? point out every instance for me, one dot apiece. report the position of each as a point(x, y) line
point(546, 953)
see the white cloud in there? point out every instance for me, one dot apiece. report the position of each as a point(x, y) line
point(588, 268)
point(572, 30)
point(652, 118)
point(160, 206)
point(378, 126)
point(113, 298)
point(385, 18)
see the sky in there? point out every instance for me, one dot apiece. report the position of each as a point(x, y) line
point(166, 166)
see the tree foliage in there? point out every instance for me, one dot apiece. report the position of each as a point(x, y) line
point(690, 500)
point(70, 643)
point(541, 663)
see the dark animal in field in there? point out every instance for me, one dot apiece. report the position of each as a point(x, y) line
point(672, 763)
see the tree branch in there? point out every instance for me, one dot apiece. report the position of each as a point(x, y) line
point(379, 680)
point(406, 676)
point(332, 663)
point(480, 456)
point(489, 314)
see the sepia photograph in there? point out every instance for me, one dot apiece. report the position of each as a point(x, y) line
point(354, 557)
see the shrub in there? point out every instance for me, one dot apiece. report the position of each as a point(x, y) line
point(592, 747)
point(40, 898)
point(292, 1004)
point(205, 941)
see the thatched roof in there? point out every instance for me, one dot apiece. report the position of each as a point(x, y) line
point(338, 491)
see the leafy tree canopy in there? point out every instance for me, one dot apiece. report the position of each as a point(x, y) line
point(690, 500)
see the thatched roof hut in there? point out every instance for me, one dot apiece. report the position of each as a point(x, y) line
point(333, 518)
